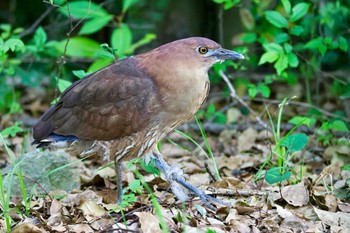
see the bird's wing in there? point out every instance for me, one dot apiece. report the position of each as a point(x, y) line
point(112, 103)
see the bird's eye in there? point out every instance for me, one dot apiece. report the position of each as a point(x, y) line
point(202, 50)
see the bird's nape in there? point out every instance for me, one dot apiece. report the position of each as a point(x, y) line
point(126, 108)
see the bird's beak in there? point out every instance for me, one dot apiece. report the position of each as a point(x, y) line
point(225, 54)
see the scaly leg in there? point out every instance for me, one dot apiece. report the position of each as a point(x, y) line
point(118, 171)
point(172, 174)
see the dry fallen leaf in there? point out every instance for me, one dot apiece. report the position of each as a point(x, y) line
point(149, 222)
point(92, 210)
point(338, 219)
point(246, 140)
point(26, 227)
point(296, 195)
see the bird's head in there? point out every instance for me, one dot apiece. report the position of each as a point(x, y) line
point(195, 52)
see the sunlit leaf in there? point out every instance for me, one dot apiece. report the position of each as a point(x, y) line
point(293, 60)
point(281, 64)
point(121, 39)
point(83, 9)
point(299, 120)
point(95, 24)
point(276, 19)
point(79, 47)
point(286, 5)
point(269, 57)
point(298, 11)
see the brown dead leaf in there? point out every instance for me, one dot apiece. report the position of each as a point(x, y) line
point(345, 207)
point(58, 228)
point(149, 222)
point(331, 202)
point(55, 207)
point(339, 219)
point(229, 182)
point(247, 139)
point(80, 228)
point(296, 195)
point(92, 210)
point(26, 227)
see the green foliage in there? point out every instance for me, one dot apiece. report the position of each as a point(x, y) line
point(285, 149)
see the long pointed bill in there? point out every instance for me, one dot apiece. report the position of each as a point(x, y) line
point(225, 54)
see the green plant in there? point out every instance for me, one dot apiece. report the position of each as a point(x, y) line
point(5, 193)
point(284, 150)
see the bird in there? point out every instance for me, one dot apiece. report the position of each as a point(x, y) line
point(123, 110)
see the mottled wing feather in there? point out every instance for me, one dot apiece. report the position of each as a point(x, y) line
point(112, 103)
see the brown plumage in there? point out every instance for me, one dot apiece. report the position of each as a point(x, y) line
point(127, 107)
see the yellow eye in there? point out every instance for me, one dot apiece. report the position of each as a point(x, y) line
point(202, 50)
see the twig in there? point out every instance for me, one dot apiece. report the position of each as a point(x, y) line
point(216, 128)
point(302, 104)
point(235, 192)
point(33, 27)
point(240, 100)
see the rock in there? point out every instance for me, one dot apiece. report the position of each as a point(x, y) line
point(48, 168)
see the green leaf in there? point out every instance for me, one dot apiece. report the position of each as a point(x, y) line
point(286, 6)
point(145, 40)
point(83, 9)
point(40, 37)
point(297, 30)
point(295, 142)
point(249, 37)
point(252, 90)
point(99, 64)
point(293, 60)
point(14, 44)
point(269, 57)
point(220, 118)
point(281, 64)
point(80, 73)
point(127, 4)
point(346, 167)
point(287, 47)
point(281, 38)
point(79, 47)
point(299, 120)
point(12, 130)
point(121, 39)
point(135, 186)
point(264, 90)
point(343, 44)
point(298, 11)
point(316, 44)
point(95, 24)
point(273, 175)
point(338, 125)
point(276, 19)
point(63, 84)
point(274, 47)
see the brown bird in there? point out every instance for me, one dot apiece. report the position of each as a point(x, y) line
point(126, 108)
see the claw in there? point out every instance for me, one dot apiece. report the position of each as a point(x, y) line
point(174, 175)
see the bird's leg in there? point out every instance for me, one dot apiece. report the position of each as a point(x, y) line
point(173, 175)
point(118, 171)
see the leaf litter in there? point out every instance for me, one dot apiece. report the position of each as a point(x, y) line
point(318, 203)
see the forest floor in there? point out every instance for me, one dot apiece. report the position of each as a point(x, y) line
point(316, 201)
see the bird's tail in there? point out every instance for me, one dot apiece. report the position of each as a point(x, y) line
point(55, 139)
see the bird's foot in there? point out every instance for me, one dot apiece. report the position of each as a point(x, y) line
point(175, 176)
